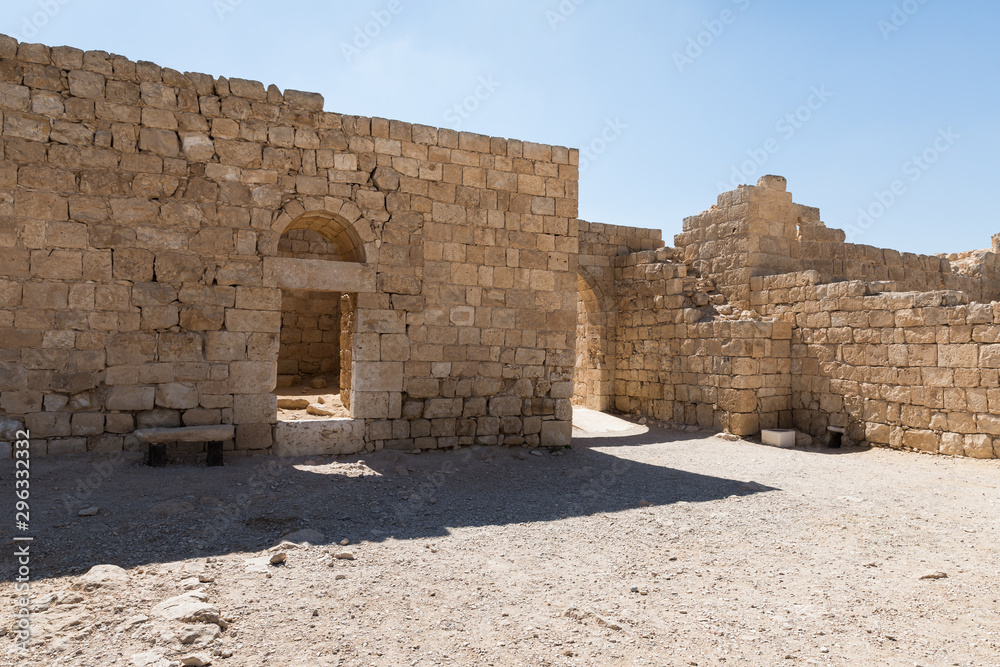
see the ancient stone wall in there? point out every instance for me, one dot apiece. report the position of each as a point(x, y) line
point(900, 369)
point(759, 231)
point(141, 264)
point(600, 245)
point(170, 242)
point(722, 374)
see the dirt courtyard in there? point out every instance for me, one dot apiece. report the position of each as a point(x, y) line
point(637, 547)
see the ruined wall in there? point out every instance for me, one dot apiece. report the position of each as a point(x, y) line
point(907, 369)
point(140, 276)
point(600, 244)
point(724, 374)
point(759, 231)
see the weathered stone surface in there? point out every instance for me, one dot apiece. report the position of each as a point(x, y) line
point(213, 433)
point(188, 608)
point(319, 438)
point(310, 274)
point(101, 576)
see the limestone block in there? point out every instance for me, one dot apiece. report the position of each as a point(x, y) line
point(202, 317)
point(319, 275)
point(131, 399)
point(989, 356)
point(958, 356)
point(67, 446)
point(225, 346)
point(255, 409)
point(264, 321)
point(500, 406)
point(87, 423)
point(370, 404)
point(176, 395)
point(378, 376)
point(986, 423)
point(556, 434)
point(744, 424)
point(438, 408)
point(380, 321)
point(48, 424)
point(159, 142)
point(952, 444)
point(733, 400)
point(202, 417)
point(331, 437)
point(979, 446)
point(925, 440)
point(394, 347)
point(253, 436)
point(197, 146)
point(21, 402)
point(252, 377)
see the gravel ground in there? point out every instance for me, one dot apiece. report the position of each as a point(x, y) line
point(651, 547)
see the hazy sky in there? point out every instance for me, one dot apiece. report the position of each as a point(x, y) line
point(885, 106)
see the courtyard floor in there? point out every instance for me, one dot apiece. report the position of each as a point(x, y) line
point(639, 546)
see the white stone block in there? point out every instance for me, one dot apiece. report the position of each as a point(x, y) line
point(778, 437)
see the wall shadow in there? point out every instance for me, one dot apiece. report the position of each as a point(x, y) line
point(249, 504)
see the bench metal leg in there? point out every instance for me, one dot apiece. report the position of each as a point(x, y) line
point(214, 454)
point(158, 456)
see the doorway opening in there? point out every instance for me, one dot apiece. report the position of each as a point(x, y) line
point(315, 360)
point(594, 378)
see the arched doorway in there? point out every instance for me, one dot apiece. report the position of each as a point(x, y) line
point(315, 358)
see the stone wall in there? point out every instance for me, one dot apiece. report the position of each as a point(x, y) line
point(900, 369)
point(677, 363)
point(306, 244)
point(758, 231)
point(310, 336)
point(600, 245)
point(166, 238)
point(141, 261)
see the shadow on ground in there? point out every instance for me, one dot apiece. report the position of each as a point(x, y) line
point(158, 515)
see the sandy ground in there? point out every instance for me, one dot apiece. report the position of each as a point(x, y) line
point(636, 547)
point(327, 397)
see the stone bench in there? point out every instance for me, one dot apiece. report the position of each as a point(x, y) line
point(159, 438)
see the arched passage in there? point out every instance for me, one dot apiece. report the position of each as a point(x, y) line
point(594, 378)
point(315, 357)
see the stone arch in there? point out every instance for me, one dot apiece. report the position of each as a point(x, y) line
point(595, 363)
point(340, 222)
point(337, 220)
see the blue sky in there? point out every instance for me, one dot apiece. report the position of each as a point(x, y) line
point(675, 100)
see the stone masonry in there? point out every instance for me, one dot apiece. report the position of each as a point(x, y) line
point(151, 219)
point(762, 317)
point(175, 245)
